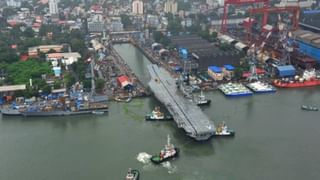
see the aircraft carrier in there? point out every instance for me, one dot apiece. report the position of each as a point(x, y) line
point(186, 114)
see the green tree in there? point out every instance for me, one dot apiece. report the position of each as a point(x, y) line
point(28, 32)
point(100, 85)
point(186, 6)
point(77, 45)
point(20, 72)
point(57, 84)
point(174, 26)
point(157, 36)
point(126, 21)
point(6, 12)
point(69, 79)
point(87, 83)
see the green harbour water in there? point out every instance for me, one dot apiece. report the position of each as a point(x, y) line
point(274, 139)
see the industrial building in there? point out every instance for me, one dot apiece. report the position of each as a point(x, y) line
point(205, 54)
point(310, 20)
point(309, 43)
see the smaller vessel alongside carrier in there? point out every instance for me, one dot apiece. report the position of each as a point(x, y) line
point(309, 108)
point(201, 101)
point(223, 130)
point(158, 115)
point(261, 87)
point(132, 174)
point(234, 90)
point(169, 152)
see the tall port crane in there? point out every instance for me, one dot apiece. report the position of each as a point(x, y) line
point(294, 10)
point(240, 2)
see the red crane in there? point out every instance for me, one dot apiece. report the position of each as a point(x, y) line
point(294, 10)
point(228, 2)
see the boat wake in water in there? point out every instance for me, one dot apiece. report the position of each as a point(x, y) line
point(144, 158)
point(171, 168)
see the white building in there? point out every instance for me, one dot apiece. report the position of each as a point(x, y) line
point(53, 7)
point(13, 3)
point(137, 7)
point(171, 6)
point(302, 4)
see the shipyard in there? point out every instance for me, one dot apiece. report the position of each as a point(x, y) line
point(160, 89)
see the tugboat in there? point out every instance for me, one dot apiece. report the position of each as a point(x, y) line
point(165, 154)
point(132, 174)
point(309, 78)
point(202, 100)
point(223, 130)
point(157, 115)
point(309, 108)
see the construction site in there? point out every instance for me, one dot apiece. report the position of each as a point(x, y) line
point(273, 33)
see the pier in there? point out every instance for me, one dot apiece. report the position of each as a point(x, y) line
point(186, 114)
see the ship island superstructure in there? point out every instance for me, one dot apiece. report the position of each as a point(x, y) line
point(186, 114)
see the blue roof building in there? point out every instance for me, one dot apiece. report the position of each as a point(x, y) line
point(229, 67)
point(215, 69)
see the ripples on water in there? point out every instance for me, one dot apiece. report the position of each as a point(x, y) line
point(144, 158)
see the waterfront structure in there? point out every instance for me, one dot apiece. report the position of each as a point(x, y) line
point(171, 6)
point(137, 7)
point(53, 7)
point(187, 115)
point(14, 3)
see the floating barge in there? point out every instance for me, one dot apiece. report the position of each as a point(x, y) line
point(234, 90)
point(261, 87)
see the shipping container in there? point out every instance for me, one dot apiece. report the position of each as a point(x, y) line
point(286, 71)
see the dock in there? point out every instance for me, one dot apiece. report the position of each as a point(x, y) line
point(186, 114)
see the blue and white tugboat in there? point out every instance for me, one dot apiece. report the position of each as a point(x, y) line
point(223, 130)
point(201, 101)
point(132, 174)
point(169, 152)
point(309, 108)
point(158, 115)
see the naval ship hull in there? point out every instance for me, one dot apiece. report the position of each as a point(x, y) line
point(187, 116)
point(62, 113)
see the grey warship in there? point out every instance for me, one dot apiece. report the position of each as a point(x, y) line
point(186, 114)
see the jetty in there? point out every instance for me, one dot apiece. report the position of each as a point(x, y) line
point(186, 114)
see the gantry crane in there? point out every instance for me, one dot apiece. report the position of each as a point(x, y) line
point(294, 10)
point(240, 2)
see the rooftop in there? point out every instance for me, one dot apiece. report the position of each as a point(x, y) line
point(12, 88)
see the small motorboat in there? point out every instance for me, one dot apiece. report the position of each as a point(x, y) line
point(223, 130)
point(158, 115)
point(98, 112)
point(132, 174)
point(309, 108)
point(169, 152)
